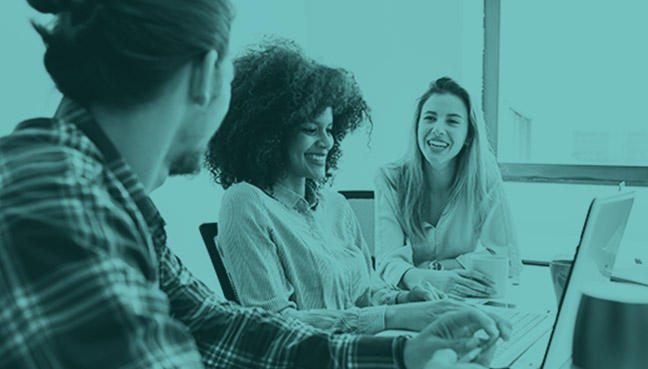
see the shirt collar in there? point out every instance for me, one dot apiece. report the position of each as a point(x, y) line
point(293, 200)
point(71, 111)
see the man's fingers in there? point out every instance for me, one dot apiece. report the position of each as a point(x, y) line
point(471, 326)
point(445, 356)
point(470, 356)
point(504, 326)
point(482, 320)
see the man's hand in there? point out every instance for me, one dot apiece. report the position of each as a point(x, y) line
point(470, 333)
point(447, 359)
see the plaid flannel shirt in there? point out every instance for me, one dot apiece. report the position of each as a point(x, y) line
point(87, 281)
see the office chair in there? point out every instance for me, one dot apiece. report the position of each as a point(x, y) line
point(362, 203)
point(209, 231)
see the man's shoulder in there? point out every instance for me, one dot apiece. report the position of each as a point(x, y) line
point(47, 149)
point(52, 180)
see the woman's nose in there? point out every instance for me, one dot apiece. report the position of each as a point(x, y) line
point(325, 140)
point(438, 129)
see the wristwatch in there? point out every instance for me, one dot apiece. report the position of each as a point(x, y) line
point(435, 265)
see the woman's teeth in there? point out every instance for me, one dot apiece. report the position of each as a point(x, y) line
point(438, 144)
point(321, 158)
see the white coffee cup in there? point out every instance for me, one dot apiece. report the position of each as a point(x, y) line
point(496, 268)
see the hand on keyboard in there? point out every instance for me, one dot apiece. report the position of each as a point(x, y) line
point(457, 331)
point(528, 327)
point(447, 359)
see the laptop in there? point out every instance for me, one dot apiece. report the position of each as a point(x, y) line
point(608, 242)
point(552, 349)
point(604, 226)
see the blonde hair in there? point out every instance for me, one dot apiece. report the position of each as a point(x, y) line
point(477, 178)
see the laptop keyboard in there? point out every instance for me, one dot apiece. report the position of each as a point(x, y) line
point(528, 327)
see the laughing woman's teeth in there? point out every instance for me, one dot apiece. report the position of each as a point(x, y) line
point(316, 157)
point(439, 144)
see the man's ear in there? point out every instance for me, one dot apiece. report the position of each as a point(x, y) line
point(202, 78)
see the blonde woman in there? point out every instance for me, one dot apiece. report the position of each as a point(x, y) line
point(444, 201)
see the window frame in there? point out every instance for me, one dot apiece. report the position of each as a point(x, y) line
point(533, 172)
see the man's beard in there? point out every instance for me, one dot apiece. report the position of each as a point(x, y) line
point(187, 163)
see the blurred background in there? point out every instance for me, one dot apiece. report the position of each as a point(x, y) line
point(564, 83)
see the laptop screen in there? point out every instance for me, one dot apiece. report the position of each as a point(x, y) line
point(604, 226)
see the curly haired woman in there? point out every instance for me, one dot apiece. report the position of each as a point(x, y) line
point(289, 244)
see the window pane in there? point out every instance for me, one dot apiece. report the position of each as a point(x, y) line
point(573, 82)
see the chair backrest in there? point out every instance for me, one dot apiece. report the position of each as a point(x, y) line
point(362, 203)
point(209, 231)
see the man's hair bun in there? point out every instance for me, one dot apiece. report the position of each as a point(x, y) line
point(122, 52)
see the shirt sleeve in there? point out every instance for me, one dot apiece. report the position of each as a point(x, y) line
point(498, 232)
point(229, 335)
point(78, 284)
point(394, 255)
point(253, 263)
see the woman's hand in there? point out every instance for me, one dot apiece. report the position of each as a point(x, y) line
point(424, 292)
point(416, 316)
point(469, 333)
point(461, 282)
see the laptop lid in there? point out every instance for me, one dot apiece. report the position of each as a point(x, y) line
point(603, 229)
point(606, 240)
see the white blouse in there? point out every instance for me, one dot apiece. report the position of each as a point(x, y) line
point(454, 236)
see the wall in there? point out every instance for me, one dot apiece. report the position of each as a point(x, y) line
point(26, 91)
